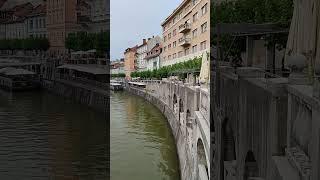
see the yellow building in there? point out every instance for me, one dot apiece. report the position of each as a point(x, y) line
point(186, 32)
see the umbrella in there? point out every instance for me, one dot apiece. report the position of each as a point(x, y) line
point(205, 69)
point(303, 32)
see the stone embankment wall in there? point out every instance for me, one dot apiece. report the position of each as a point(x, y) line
point(96, 99)
point(187, 111)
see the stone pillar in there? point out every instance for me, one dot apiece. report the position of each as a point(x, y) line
point(270, 59)
point(315, 156)
point(249, 49)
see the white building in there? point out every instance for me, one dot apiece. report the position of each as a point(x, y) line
point(99, 15)
point(153, 58)
point(16, 29)
point(141, 54)
point(36, 22)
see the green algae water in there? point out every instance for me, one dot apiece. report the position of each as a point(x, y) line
point(142, 145)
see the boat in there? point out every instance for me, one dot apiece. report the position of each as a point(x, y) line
point(15, 79)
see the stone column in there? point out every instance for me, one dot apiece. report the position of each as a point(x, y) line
point(249, 49)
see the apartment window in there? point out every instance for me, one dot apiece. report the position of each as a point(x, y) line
point(195, 17)
point(169, 35)
point(204, 9)
point(203, 45)
point(180, 54)
point(174, 55)
point(204, 27)
point(174, 44)
point(169, 46)
point(174, 20)
point(194, 49)
point(194, 33)
point(164, 38)
point(164, 49)
point(186, 51)
point(174, 32)
point(169, 57)
point(194, 2)
point(31, 24)
point(164, 28)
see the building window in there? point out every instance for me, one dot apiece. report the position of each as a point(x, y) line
point(164, 38)
point(174, 20)
point(31, 24)
point(204, 27)
point(194, 33)
point(186, 51)
point(169, 57)
point(169, 36)
point(180, 54)
point(194, 49)
point(174, 44)
point(203, 45)
point(195, 17)
point(164, 49)
point(194, 2)
point(174, 55)
point(169, 46)
point(204, 9)
point(174, 32)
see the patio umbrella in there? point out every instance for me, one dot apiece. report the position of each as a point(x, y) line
point(205, 69)
point(303, 38)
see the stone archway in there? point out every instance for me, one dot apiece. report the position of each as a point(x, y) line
point(181, 109)
point(203, 173)
point(251, 168)
point(174, 103)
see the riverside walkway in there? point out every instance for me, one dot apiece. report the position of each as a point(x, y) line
point(186, 108)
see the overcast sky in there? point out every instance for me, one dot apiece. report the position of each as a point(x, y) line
point(134, 20)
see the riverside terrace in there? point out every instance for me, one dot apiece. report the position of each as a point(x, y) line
point(265, 127)
point(84, 74)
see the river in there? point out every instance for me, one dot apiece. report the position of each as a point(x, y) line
point(44, 136)
point(142, 145)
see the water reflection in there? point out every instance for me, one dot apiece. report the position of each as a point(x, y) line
point(44, 136)
point(142, 146)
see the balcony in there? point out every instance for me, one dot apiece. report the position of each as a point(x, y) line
point(184, 42)
point(184, 28)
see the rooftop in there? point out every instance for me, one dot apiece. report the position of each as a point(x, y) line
point(85, 68)
point(184, 2)
point(10, 71)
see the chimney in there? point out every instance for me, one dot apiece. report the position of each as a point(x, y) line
point(144, 41)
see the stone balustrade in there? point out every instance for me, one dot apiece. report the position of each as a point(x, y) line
point(187, 110)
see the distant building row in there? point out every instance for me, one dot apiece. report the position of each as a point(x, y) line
point(185, 35)
point(53, 19)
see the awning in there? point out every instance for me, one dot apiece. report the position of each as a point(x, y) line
point(10, 71)
point(84, 68)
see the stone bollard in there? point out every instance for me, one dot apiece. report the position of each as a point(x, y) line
point(297, 64)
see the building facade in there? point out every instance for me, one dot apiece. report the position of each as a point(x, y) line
point(130, 59)
point(141, 54)
point(61, 20)
point(36, 22)
point(186, 32)
point(100, 15)
point(153, 58)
